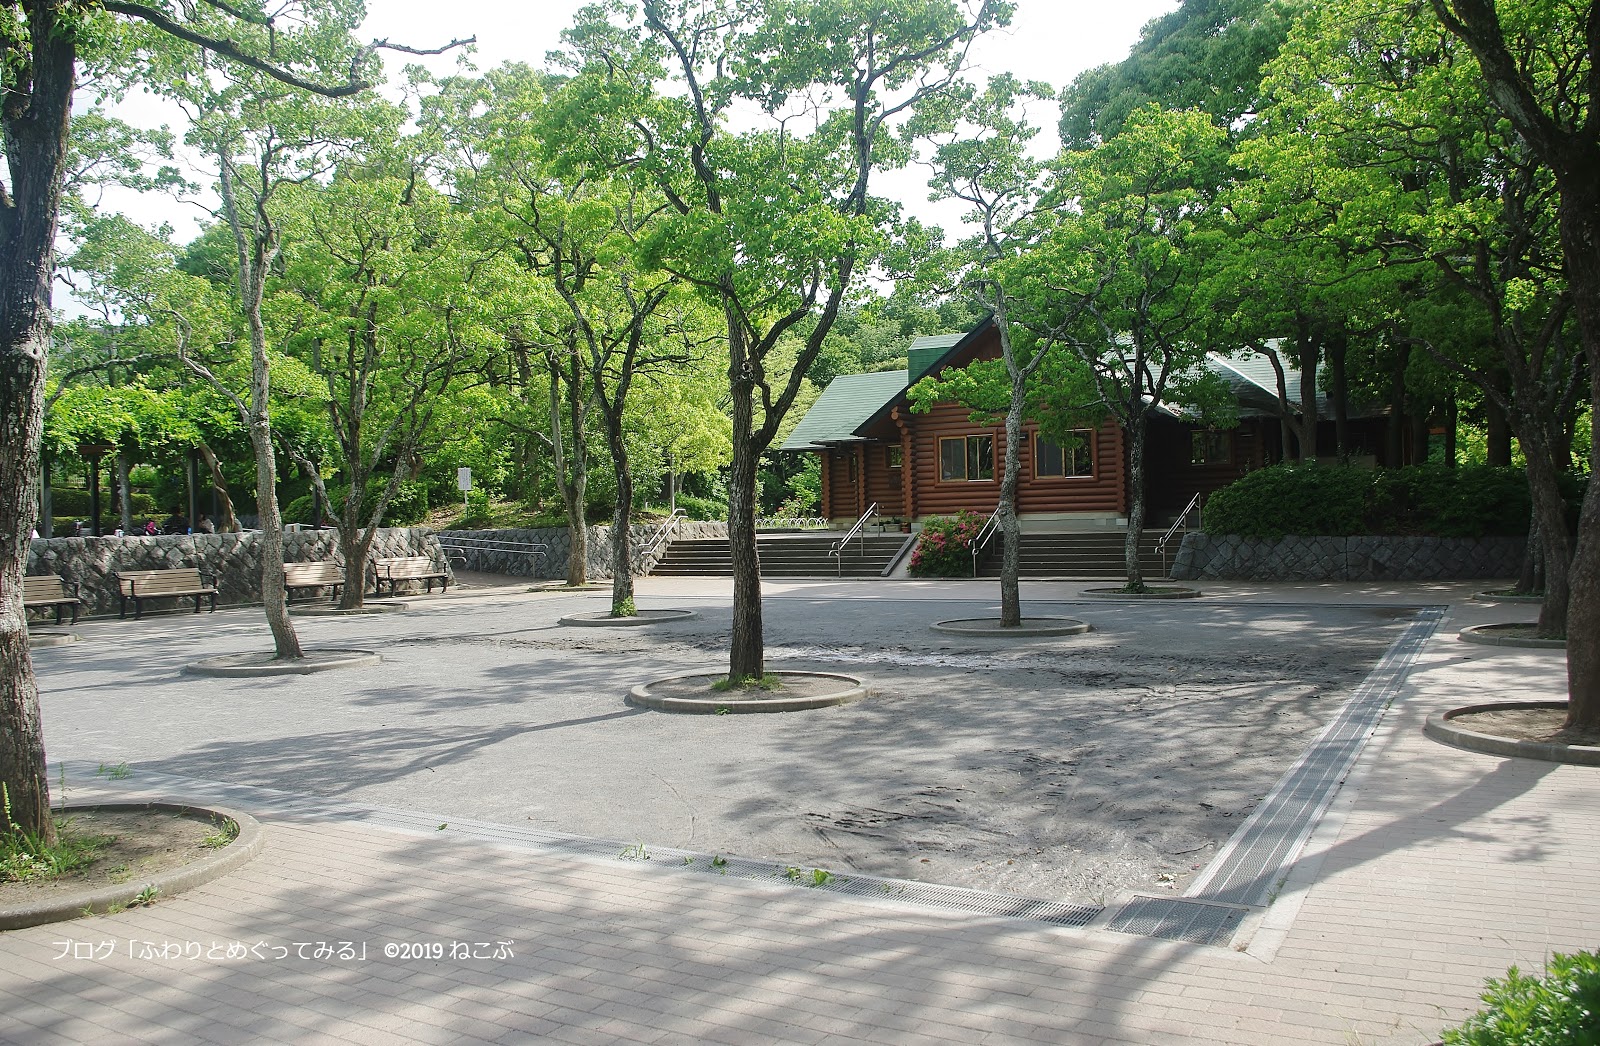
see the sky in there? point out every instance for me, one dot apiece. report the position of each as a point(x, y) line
point(1049, 40)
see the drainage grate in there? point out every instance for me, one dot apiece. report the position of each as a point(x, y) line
point(1251, 865)
point(1178, 919)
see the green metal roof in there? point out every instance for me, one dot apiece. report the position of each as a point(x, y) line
point(847, 402)
point(925, 352)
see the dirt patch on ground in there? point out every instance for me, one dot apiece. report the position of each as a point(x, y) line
point(1522, 724)
point(791, 685)
point(139, 844)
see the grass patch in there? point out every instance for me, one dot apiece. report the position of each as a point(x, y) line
point(624, 609)
point(227, 831)
point(25, 858)
point(766, 682)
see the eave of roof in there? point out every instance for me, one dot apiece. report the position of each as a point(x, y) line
point(837, 414)
point(900, 399)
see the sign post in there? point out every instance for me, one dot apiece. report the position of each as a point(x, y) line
point(464, 481)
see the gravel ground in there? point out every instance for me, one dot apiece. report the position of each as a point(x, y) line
point(1077, 767)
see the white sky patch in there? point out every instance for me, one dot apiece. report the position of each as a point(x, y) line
point(1049, 40)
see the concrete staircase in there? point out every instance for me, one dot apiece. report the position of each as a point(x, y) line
point(1081, 554)
point(783, 555)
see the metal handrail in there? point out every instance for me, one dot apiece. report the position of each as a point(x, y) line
point(985, 535)
point(837, 551)
point(1177, 524)
point(458, 545)
point(667, 526)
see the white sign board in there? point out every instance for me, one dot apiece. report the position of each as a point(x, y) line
point(464, 479)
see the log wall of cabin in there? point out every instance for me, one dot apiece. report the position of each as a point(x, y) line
point(1104, 492)
point(1172, 477)
point(841, 491)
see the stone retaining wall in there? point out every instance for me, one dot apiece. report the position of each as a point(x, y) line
point(553, 564)
point(1232, 558)
point(233, 558)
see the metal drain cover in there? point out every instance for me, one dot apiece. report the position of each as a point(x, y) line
point(1178, 919)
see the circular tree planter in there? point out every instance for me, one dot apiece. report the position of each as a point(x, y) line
point(1519, 633)
point(62, 905)
point(1458, 728)
point(1030, 627)
point(264, 663)
point(41, 637)
point(1168, 592)
point(561, 587)
point(643, 617)
point(692, 693)
point(316, 610)
point(1506, 597)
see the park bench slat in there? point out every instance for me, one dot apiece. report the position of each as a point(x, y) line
point(409, 568)
point(324, 573)
point(139, 585)
point(51, 590)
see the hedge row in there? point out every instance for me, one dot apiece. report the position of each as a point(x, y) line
point(1346, 500)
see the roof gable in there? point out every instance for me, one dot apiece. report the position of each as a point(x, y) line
point(847, 402)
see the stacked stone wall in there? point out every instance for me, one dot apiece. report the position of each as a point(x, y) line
point(558, 549)
point(234, 559)
point(1368, 558)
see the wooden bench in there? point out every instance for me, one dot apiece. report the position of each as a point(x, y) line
point(324, 573)
point(50, 590)
point(140, 585)
point(409, 568)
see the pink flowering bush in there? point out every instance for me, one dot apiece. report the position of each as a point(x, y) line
point(944, 548)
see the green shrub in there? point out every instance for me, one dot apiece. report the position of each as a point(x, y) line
point(1345, 500)
point(708, 509)
point(944, 548)
point(73, 503)
point(408, 506)
point(1562, 1008)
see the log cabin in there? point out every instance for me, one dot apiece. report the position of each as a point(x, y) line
point(875, 451)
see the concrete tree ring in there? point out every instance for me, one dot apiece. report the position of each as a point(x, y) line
point(829, 688)
point(603, 619)
point(1442, 727)
point(1030, 627)
point(265, 663)
point(1504, 634)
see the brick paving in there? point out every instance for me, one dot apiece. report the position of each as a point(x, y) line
point(1432, 870)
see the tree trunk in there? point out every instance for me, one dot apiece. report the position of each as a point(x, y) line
point(1550, 512)
point(1394, 433)
point(286, 643)
point(1497, 434)
point(573, 487)
point(1530, 578)
point(22, 759)
point(1339, 391)
point(1580, 244)
point(1010, 528)
point(348, 522)
point(1452, 420)
point(1308, 349)
point(124, 494)
point(1138, 423)
point(35, 134)
point(747, 651)
point(226, 522)
point(621, 519)
point(47, 513)
point(1419, 436)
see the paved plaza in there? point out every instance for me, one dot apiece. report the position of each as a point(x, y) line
point(479, 841)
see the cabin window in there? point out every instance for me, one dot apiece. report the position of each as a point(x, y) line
point(1076, 458)
point(853, 467)
point(894, 456)
point(966, 458)
point(1211, 447)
